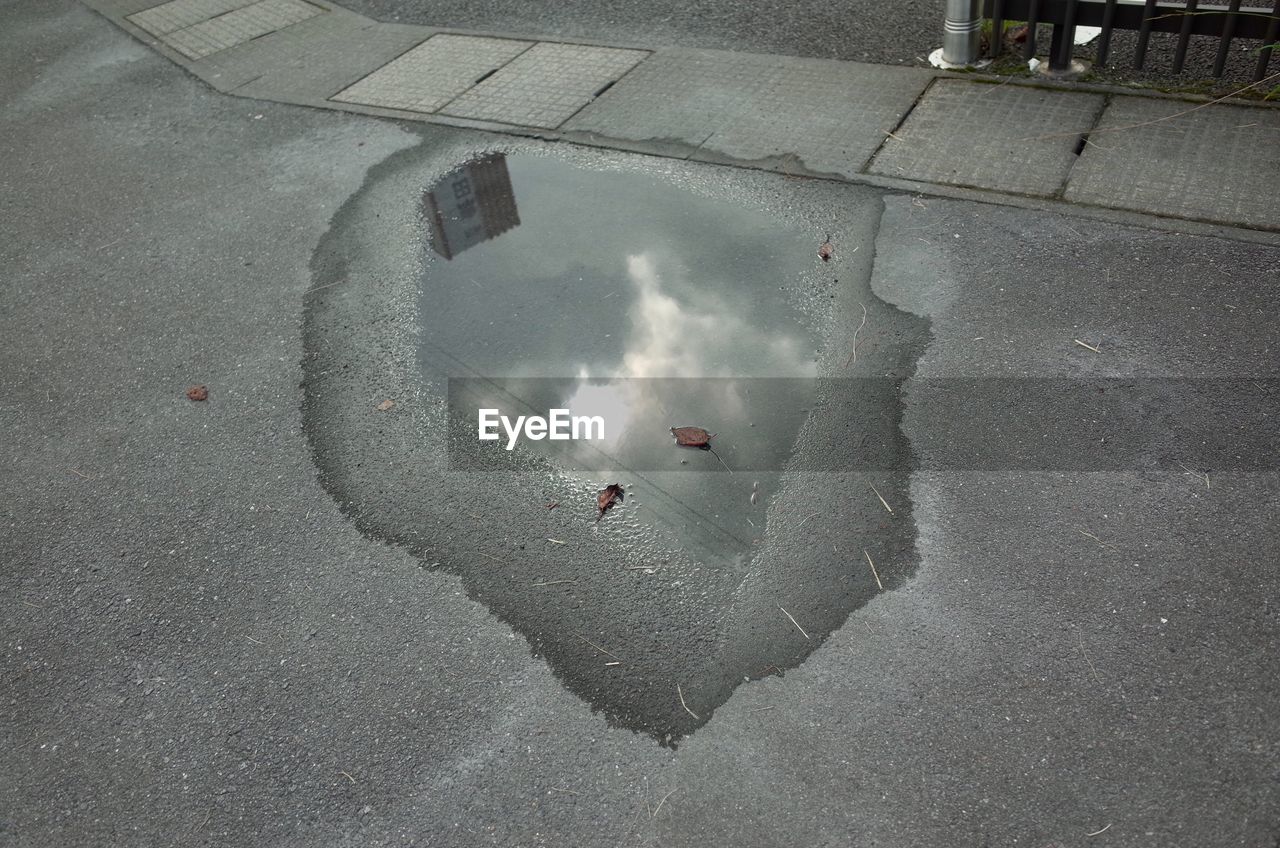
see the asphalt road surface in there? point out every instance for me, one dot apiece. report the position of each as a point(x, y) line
point(205, 643)
point(863, 30)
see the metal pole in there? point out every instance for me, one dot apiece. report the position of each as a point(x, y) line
point(961, 31)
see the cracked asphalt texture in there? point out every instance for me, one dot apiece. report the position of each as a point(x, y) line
point(199, 649)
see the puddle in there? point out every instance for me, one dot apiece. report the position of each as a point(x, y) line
point(649, 315)
point(660, 294)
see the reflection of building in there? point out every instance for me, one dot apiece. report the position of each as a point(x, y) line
point(470, 205)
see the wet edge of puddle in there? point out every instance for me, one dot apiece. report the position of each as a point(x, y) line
point(359, 348)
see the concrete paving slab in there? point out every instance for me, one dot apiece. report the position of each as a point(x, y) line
point(1170, 158)
point(1004, 138)
point(125, 8)
point(546, 86)
point(239, 26)
point(676, 95)
point(180, 14)
point(433, 73)
point(831, 116)
point(310, 61)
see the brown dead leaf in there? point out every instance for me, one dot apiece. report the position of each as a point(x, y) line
point(198, 393)
point(692, 437)
point(386, 405)
point(609, 495)
point(696, 437)
point(827, 249)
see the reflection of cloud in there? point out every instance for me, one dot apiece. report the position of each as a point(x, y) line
point(674, 338)
point(664, 336)
point(611, 401)
point(692, 334)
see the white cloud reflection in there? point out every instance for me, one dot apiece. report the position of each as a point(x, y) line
point(672, 338)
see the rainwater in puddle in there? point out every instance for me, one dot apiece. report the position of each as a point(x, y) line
point(616, 295)
point(653, 294)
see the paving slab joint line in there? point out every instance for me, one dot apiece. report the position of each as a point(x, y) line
point(532, 42)
point(606, 89)
point(1249, 232)
point(1061, 191)
point(866, 166)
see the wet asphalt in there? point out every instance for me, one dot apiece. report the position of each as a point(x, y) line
point(203, 642)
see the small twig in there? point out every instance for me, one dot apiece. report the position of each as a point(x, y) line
point(79, 474)
point(796, 623)
point(251, 639)
point(1096, 832)
point(717, 456)
point(554, 582)
point(853, 354)
point(1097, 130)
point(1086, 657)
point(807, 517)
point(654, 814)
point(1096, 539)
point(598, 648)
point(881, 497)
point(1196, 14)
point(680, 692)
point(874, 573)
point(490, 556)
point(760, 710)
point(1085, 345)
point(554, 541)
point(326, 286)
point(1194, 473)
point(644, 567)
point(347, 776)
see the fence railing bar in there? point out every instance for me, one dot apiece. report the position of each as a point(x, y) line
point(1273, 33)
point(1227, 21)
point(1184, 37)
point(1033, 19)
point(1224, 40)
point(1064, 39)
point(1104, 39)
point(997, 28)
point(1144, 34)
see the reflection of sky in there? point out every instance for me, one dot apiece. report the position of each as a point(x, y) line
point(620, 276)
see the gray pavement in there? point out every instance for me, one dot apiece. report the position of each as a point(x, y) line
point(903, 32)
point(798, 116)
point(203, 645)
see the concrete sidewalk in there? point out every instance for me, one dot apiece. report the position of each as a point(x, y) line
point(1197, 166)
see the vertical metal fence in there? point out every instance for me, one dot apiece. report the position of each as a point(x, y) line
point(1186, 19)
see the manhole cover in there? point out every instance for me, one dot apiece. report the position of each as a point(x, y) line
point(646, 295)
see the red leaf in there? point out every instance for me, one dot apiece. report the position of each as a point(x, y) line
point(696, 437)
point(198, 393)
point(609, 495)
point(692, 437)
point(827, 249)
